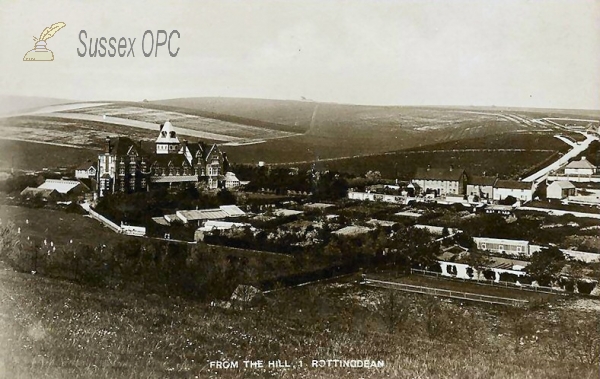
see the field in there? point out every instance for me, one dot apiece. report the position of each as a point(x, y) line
point(236, 131)
point(355, 138)
point(403, 165)
point(26, 155)
point(57, 226)
point(55, 329)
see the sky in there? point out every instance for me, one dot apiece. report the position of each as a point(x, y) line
point(522, 53)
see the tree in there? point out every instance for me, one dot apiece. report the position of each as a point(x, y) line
point(509, 200)
point(478, 261)
point(546, 264)
point(414, 246)
point(465, 240)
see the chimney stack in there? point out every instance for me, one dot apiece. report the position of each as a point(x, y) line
point(451, 167)
point(583, 158)
point(161, 127)
point(108, 146)
point(428, 167)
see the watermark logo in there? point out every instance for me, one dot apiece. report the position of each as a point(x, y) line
point(40, 51)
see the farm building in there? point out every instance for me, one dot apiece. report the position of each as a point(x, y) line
point(43, 193)
point(482, 187)
point(503, 246)
point(223, 226)
point(200, 215)
point(522, 191)
point(67, 188)
point(126, 167)
point(560, 189)
point(582, 167)
point(441, 181)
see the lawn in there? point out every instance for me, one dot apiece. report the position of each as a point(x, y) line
point(55, 329)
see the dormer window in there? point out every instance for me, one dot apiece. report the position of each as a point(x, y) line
point(172, 134)
point(163, 134)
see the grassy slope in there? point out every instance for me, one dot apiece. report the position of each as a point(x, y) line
point(337, 130)
point(35, 156)
point(56, 329)
point(403, 163)
point(57, 226)
point(14, 104)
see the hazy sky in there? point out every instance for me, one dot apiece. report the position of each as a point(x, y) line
point(513, 53)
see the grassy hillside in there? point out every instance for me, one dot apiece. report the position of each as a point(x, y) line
point(403, 165)
point(56, 329)
point(302, 131)
point(14, 104)
point(35, 156)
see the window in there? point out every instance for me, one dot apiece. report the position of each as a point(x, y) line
point(483, 246)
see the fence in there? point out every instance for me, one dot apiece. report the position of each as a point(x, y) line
point(111, 225)
point(492, 283)
point(130, 230)
point(446, 293)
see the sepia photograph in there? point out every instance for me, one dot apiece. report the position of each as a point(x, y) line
point(300, 189)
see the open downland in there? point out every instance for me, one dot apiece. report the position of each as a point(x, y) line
point(402, 165)
point(26, 155)
point(55, 329)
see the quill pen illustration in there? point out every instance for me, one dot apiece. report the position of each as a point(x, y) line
point(50, 31)
point(40, 52)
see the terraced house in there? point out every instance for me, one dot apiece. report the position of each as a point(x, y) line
point(441, 181)
point(126, 166)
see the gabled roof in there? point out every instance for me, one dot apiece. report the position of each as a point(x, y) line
point(86, 165)
point(483, 180)
point(44, 192)
point(581, 164)
point(61, 186)
point(123, 146)
point(224, 211)
point(213, 149)
point(164, 160)
point(513, 184)
point(439, 174)
point(167, 134)
point(563, 184)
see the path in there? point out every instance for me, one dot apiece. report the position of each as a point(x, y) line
point(577, 149)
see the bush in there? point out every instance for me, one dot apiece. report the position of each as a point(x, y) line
point(586, 287)
point(489, 275)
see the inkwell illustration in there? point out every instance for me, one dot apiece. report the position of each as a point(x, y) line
point(40, 52)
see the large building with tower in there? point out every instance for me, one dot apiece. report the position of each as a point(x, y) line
point(126, 166)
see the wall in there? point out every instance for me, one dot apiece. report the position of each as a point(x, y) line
point(519, 194)
point(461, 271)
point(510, 247)
point(114, 227)
point(484, 192)
point(371, 196)
point(133, 230)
